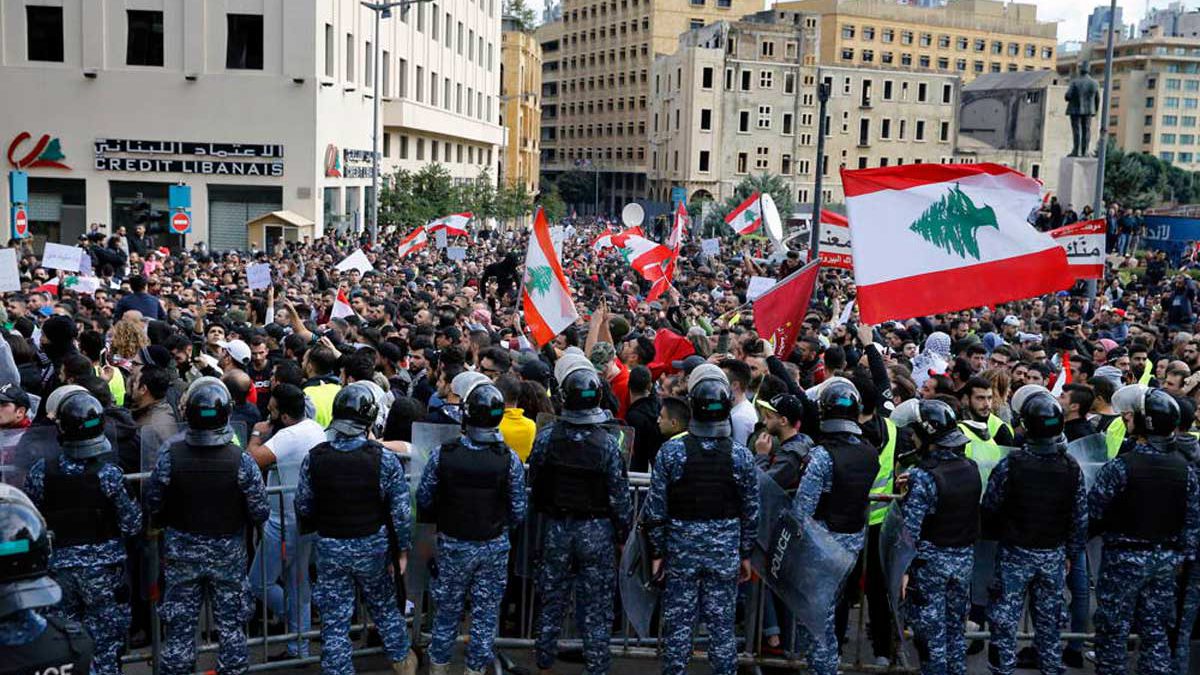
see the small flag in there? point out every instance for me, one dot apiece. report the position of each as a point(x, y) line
point(415, 241)
point(1064, 375)
point(747, 217)
point(545, 294)
point(341, 306)
point(651, 260)
point(603, 240)
point(50, 287)
point(779, 313)
point(833, 241)
point(454, 224)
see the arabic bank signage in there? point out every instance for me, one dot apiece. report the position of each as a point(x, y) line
point(1171, 233)
point(210, 159)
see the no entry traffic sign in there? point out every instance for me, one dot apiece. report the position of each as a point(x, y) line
point(181, 223)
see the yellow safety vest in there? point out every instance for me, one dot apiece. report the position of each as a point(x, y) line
point(1147, 373)
point(1114, 436)
point(884, 479)
point(994, 423)
point(978, 449)
point(322, 396)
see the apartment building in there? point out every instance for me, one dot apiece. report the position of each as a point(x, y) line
point(520, 95)
point(549, 37)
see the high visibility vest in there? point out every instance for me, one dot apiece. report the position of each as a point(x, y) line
point(994, 424)
point(883, 484)
point(987, 452)
point(322, 396)
point(1147, 373)
point(1114, 436)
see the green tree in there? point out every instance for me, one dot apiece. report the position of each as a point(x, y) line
point(951, 222)
point(768, 183)
point(412, 198)
point(553, 204)
point(525, 18)
point(577, 187)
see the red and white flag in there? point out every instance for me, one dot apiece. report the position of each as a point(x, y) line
point(604, 240)
point(675, 240)
point(341, 306)
point(545, 294)
point(619, 238)
point(747, 217)
point(932, 238)
point(415, 241)
point(651, 260)
point(1084, 244)
point(454, 224)
point(833, 241)
point(779, 313)
point(1064, 376)
point(50, 287)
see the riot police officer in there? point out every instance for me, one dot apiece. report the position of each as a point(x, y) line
point(1146, 506)
point(579, 484)
point(206, 492)
point(941, 514)
point(474, 488)
point(353, 492)
point(834, 491)
point(1036, 502)
point(88, 511)
point(703, 513)
point(29, 642)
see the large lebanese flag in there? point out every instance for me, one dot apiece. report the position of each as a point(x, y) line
point(545, 294)
point(833, 241)
point(454, 224)
point(618, 239)
point(1084, 244)
point(930, 238)
point(415, 241)
point(779, 313)
point(747, 217)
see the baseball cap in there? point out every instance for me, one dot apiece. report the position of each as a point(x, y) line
point(1012, 320)
point(602, 354)
point(11, 392)
point(238, 350)
point(534, 370)
point(688, 364)
point(787, 405)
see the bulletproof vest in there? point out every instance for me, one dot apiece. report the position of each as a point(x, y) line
point(62, 648)
point(204, 496)
point(855, 463)
point(706, 490)
point(75, 507)
point(956, 522)
point(1153, 503)
point(1039, 501)
point(346, 491)
point(472, 499)
point(572, 481)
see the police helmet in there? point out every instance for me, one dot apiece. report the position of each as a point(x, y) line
point(484, 408)
point(711, 402)
point(207, 406)
point(932, 421)
point(840, 405)
point(354, 410)
point(581, 391)
point(24, 555)
point(80, 420)
point(1042, 416)
point(1155, 412)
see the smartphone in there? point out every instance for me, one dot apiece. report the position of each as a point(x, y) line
point(196, 350)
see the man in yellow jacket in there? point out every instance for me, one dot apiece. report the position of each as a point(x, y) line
point(517, 429)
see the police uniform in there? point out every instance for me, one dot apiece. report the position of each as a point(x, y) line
point(1189, 447)
point(30, 643)
point(206, 491)
point(1036, 501)
point(88, 511)
point(579, 484)
point(475, 490)
point(353, 493)
point(1146, 505)
point(703, 508)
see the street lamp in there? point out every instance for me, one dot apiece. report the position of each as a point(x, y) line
point(382, 10)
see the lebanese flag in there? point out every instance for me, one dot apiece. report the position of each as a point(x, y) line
point(1064, 376)
point(1084, 244)
point(833, 241)
point(545, 294)
point(603, 240)
point(454, 224)
point(341, 306)
point(415, 241)
point(675, 241)
point(747, 217)
point(779, 313)
point(933, 238)
point(619, 238)
point(50, 287)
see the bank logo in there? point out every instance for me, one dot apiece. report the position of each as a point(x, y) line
point(46, 153)
point(333, 162)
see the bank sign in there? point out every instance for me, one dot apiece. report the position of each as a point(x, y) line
point(191, 157)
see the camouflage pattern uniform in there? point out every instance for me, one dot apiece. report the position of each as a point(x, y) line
point(362, 562)
point(1041, 570)
point(939, 585)
point(702, 559)
point(1136, 576)
point(478, 568)
point(92, 576)
point(195, 562)
point(1190, 581)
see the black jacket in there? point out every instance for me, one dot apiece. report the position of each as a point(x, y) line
point(647, 439)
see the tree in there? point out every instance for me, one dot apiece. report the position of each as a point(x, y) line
point(577, 187)
point(951, 222)
point(552, 204)
point(525, 18)
point(768, 183)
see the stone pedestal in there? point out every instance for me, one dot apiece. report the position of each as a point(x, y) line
point(1077, 181)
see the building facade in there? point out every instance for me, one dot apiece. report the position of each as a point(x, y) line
point(739, 98)
point(549, 37)
point(258, 105)
point(1099, 21)
point(521, 95)
point(1155, 102)
point(964, 37)
point(1174, 20)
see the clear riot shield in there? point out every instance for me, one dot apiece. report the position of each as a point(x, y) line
point(986, 549)
point(241, 434)
point(155, 439)
point(897, 550)
point(425, 439)
point(20, 449)
point(622, 433)
point(989, 462)
point(798, 558)
point(636, 582)
point(1091, 452)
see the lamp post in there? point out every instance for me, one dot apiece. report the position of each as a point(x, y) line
point(823, 88)
point(382, 10)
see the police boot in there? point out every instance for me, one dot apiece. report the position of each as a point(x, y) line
point(439, 668)
point(406, 667)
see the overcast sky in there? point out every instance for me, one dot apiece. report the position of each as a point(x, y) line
point(1072, 14)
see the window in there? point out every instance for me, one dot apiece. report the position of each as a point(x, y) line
point(887, 35)
point(923, 60)
point(764, 117)
point(742, 161)
point(44, 33)
point(785, 165)
point(887, 90)
point(1168, 102)
point(744, 121)
point(697, 3)
point(433, 151)
point(433, 22)
point(789, 83)
point(1189, 121)
point(403, 78)
point(944, 132)
point(244, 42)
point(864, 131)
point(350, 57)
point(766, 79)
point(745, 80)
point(329, 50)
point(926, 39)
point(144, 42)
point(704, 159)
point(460, 37)
point(885, 129)
point(1173, 84)
point(705, 119)
point(943, 42)
point(403, 147)
point(906, 37)
point(433, 90)
point(706, 78)
point(847, 54)
point(1167, 120)
point(369, 64)
point(1167, 156)
point(868, 55)
point(961, 43)
point(920, 130)
point(1167, 139)
point(847, 32)
point(868, 33)
point(387, 145)
point(386, 74)
point(943, 63)
point(787, 124)
point(420, 92)
point(420, 142)
point(449, 23)
point(1190, 85)
point(980, 45)
point(922, 92)
point(762, 158)
point(1189, 103)
point(1187, 139)
point(767, 48)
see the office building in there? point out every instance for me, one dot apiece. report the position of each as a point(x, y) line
point(1099, 21)
point(1174, 20)
point(520, 94)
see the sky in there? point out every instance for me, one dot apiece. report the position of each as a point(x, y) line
point(1072, 14)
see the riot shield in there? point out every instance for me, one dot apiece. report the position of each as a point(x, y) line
point(154, 438)
point(897, 550)
point(984, 570)
point(798, 558)
point(20, 449)
point(639, 590)
point(1092, 453)
point(622, 433)
point(425, 439)
point(986, 464)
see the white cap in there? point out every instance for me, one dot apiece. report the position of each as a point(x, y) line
point(240, 351)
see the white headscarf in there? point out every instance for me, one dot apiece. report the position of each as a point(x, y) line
point(934, 358)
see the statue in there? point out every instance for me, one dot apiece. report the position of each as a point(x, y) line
point(1083, 101)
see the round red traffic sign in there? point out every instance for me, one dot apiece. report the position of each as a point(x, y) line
point(181, 222)
point(21, 222)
